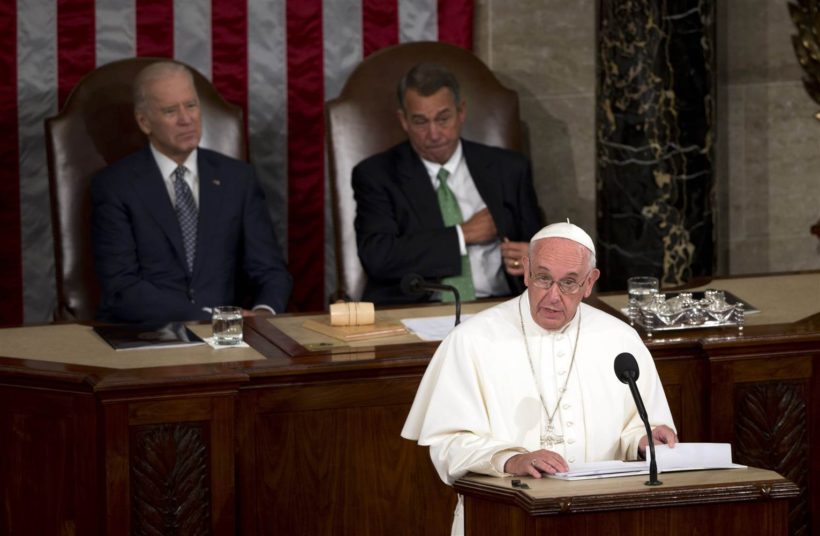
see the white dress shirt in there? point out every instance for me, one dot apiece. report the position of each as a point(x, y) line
point(485, 259)
point(167, 168)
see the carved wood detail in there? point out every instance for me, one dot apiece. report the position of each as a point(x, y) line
point(771, 432)
point(170, 484)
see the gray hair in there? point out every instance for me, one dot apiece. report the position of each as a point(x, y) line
point(427, 79)
point(152, 73)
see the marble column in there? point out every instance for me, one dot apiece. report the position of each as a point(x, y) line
point(655, 130)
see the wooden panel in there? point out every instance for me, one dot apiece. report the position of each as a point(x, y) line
point(170, 484)
point(771, 431)
point(488, 518)
point(48, 474)
point(761, 406)
point(337, 465)
point(685, 384)
point(170, 464)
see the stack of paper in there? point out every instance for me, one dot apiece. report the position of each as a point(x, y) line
point(683, 457)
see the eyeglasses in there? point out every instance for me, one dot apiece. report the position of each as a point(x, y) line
point(567, 287)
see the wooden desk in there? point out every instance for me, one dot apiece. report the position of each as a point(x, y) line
point(285, 439)
point(738, 501)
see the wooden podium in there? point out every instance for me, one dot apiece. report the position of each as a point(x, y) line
point(736, 501)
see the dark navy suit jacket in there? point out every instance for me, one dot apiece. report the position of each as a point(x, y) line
point(139, 255)
point(399, 227)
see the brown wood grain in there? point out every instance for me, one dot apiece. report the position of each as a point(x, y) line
point(307, 442)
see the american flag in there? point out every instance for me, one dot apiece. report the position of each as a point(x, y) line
point(280, 60)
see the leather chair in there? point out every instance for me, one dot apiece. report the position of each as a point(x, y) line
point(362, 122)
point(95, 128)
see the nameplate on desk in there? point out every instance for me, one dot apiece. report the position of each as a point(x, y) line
point(146, 336)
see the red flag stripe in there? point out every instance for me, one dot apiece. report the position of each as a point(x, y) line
point(155, 28)
point(453, 26)
point(11, 265)
point(76, 55)
point(229, 30)
point(380, 25)
point(306, 196)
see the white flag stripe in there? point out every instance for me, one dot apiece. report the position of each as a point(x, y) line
point(36, 99)
point(115, 22)
point(343, 50)
point(343, 46)
point(192, 34)
point(418, 20)
point(267, 106)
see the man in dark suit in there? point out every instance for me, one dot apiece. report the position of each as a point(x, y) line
point(178, 229)
point(439, 206)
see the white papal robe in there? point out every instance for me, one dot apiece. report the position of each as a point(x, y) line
point(479, 398)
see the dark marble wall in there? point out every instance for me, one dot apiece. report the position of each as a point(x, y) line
point(655, 128)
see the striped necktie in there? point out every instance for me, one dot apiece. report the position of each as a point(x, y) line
point(451, 214)
point(186, 214)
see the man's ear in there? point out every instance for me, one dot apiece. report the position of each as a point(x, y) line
point(526, 263)
point(142, 122)
point(593, 277)
point(403, 120)
point(462, 110)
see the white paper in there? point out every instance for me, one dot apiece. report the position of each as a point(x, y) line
point(432, 328)
point(683, 457)
point(604, 469)
point(692, 456)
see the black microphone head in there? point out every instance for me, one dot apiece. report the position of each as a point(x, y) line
point(626, 367)
point(412, 284)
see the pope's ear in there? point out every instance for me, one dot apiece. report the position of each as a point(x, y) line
point(593, 277)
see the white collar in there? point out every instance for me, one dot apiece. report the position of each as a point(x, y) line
point(168, 166)
point(450, 165)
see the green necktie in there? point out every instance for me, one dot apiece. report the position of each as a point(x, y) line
point(451, 214)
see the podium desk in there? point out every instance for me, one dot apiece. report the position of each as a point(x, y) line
point(289, 436)
point(299, 434)
point(758, 389)
point(737, 501)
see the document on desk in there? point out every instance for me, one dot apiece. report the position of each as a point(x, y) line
point(432, 328)
point(683, 457)
point(147, 336)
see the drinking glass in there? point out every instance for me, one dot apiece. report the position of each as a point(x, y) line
point(642, 288)
point(227, 325)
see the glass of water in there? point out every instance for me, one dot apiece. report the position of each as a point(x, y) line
point(227, 325)
point(642, 288)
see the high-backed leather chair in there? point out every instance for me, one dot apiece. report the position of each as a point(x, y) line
point(362, 122)
point(95, 128)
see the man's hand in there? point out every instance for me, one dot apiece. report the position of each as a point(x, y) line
point(534, 463)
point(511, 255)
point(661, 434)
point(480, 228)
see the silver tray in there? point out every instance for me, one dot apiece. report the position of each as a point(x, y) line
point(691, 310)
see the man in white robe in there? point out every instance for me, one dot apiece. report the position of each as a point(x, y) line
point(528, 386)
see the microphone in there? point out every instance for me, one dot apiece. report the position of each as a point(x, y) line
point(415, 284)
point(626, 369)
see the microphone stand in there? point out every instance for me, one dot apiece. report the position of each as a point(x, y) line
point(415, 284)
point(458, 303)
point(653, 464)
